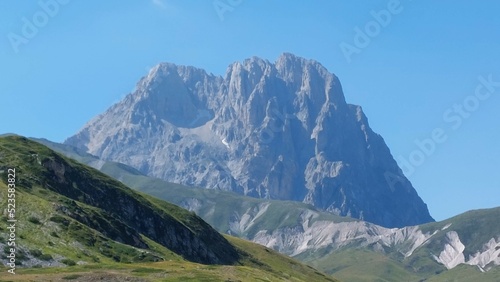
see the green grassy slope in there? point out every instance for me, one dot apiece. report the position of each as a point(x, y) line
point(352, 263)
point(88, 226)
point(466, 273)
point(361, 265)
point(132, 214)
point(474, 228)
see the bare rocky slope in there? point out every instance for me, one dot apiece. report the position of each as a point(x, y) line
point(278, 130)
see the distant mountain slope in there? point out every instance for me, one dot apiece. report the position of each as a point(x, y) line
point(350, 249)
point(279, 130)
point(68, 213)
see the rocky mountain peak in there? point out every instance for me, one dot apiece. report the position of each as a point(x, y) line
point(278, 130)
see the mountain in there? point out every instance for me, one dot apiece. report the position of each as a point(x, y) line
point(352, 250)
point(278, 130)
point(74, 222)
point(463, 248)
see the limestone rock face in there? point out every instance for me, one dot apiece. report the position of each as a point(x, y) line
point(278, 130)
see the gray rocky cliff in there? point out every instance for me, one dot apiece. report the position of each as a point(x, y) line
point(278, 130)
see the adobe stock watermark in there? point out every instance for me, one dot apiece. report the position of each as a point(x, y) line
point(454, 116)
point(11, 247)
point(223, 6)
point(363, 36)
point(31, 26)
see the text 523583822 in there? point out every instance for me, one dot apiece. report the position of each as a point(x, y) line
point(11, 214)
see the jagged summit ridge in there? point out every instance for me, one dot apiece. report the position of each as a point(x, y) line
point(278, 130)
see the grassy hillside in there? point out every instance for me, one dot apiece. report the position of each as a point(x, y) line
point(76, 223)
point(474, 227)
point(106, 205)
point(465, 273)
point(361, 265)
point(351, 263)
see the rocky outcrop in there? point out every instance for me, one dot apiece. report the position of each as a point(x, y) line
point(453, 253)
point(488, 257)
point(278, 130)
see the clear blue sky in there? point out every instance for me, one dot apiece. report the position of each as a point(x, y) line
point(63, 64)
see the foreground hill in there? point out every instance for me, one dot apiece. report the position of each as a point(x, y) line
point(462, 248)
point(281, 131)
point(74, 222)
